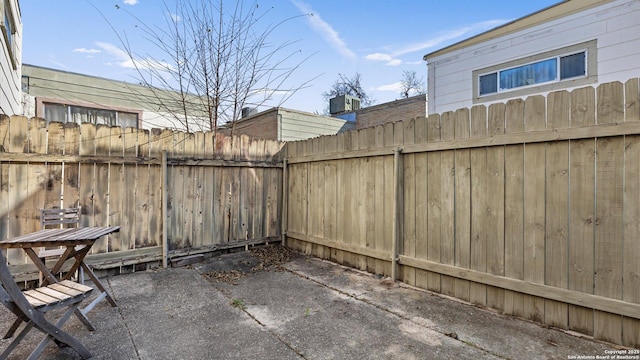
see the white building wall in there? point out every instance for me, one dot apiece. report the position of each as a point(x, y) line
point(10, 92)
point(615, 25)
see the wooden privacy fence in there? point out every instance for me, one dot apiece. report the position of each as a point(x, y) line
point(206, 193)
point(530, 207)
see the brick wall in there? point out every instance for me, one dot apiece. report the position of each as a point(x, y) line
point(415, 106)
point(262, 125)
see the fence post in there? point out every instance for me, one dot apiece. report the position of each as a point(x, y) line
point(165, 198)
point(397, 213)
point(284, 199)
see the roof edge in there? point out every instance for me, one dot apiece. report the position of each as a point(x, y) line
point(564, 8)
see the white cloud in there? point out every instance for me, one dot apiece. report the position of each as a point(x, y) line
point(395, 87)
point(325, 30)
point(391, 59)
point(130, 2)
point(86, 51)
point(125, 61)
point(386, 58)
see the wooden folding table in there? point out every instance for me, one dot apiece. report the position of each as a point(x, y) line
point(78, 243)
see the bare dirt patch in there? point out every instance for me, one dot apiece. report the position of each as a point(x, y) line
point(268, 257)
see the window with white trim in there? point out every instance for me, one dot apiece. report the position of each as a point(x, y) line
point(7, 24)
point(554, 69)
point(570, 66)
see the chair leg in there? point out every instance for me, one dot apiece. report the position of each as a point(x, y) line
point(17, 340)
point(13, 328)
point(43, 343)
point(53, 332)
point(98, 284)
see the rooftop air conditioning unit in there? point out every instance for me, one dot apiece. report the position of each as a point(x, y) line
point(344, 103)
point(248, 111)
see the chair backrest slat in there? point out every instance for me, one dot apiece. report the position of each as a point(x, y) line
point(49, 217)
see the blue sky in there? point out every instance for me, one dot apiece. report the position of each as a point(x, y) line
point(378, 39)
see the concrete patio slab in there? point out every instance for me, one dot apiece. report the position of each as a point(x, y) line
point(236, 307)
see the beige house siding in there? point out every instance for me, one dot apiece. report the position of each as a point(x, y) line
point(410, 108)
point(50, 85)
point(288, 125)
point(10, 58)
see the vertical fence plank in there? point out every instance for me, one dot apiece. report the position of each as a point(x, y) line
point(71, 190)
point(387, 164)
point(609, 201)
point(610, 106)
point(189, 195)
point(558, 110)
point(196, 187)
point(323, 252)
point(329, 173)
point(220, 203)
point(157, 184)
point(631, 245)
point(447, 246)
point(319, 191)
point(581, 212)
point(362, 203)
point(349, 203)
point(408, 238)
point(433, 234)
point(55, 146)
point(18, 185)
point(421, 190)
point(557, 229)
point(514, 207)
point(496, 202)
point(209, 196)
point(258, 175)
point(177, 195)
point(479, 205)
point(632, 100)
point(608, 241)
point(87, 174)
point(4, 179)
point(370, 199)
point(142, 192)
point(129, 193)
point(102, 195)
point(310, 148)
point(37, 173)
point(380, 189)
point(304, 192)
point(341, 207)
point(117, 186)
point(462, 203)
point(631, 269)
point(534, 206)
point(557, 238)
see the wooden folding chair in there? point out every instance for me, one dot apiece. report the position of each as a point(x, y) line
point(32, 305)
point(56, 218)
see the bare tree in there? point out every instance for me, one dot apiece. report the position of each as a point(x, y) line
point(411, 85)
point(349, 86)
point(215, 59)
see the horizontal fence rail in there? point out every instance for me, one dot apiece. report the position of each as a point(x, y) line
point(529, 207)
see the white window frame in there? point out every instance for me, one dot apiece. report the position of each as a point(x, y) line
point(9, 32)
point(589, 48)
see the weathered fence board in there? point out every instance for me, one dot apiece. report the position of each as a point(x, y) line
point(529, 207)
point(115, 175)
